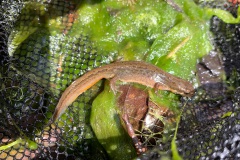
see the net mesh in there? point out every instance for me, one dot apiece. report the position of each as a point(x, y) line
point(35, 72)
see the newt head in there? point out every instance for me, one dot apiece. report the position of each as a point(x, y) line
point(183, 87)
point(175, 85)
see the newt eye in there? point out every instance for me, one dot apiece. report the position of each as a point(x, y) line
point(189, 94)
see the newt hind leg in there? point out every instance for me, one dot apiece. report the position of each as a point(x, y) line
point(137, 143)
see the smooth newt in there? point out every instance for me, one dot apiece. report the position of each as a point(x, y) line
point(126, 71)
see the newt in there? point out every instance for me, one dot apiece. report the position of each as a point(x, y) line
point(127, 71)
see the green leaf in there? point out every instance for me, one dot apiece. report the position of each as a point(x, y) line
point(175, 153)
point(11, 144)
point(108, 129)
point(225, 16)
point(228, 114)
point(178, 50)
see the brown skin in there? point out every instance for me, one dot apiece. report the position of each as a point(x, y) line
point(132, 102)
point(126, 71)
point(139, 113)
point(137, 143)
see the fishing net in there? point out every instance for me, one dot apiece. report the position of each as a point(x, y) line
point(38, 62)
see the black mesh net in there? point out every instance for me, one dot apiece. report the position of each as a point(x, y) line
point(39, 62)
